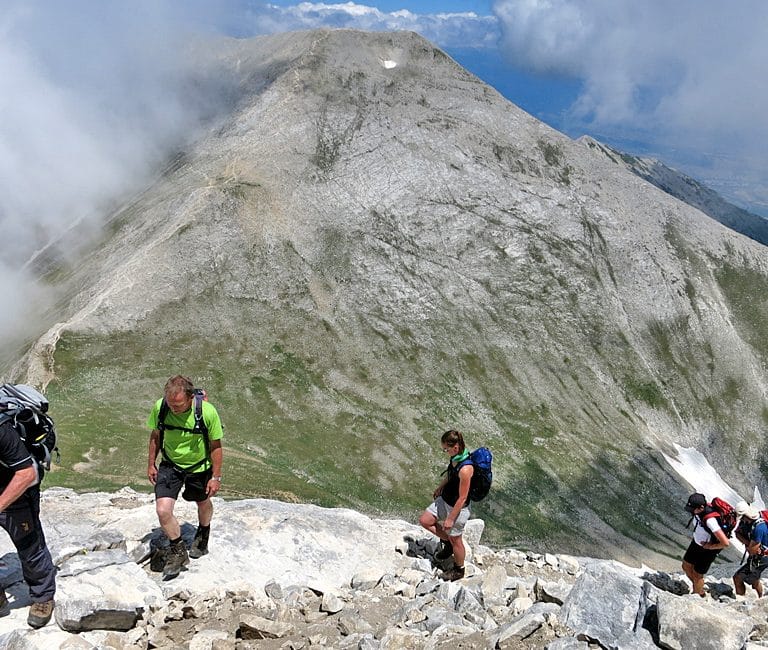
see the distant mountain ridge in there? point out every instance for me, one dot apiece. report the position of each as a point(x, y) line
point(689, 190)
point(358, 256)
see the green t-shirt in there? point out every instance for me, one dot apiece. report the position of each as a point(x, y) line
point(183, 448)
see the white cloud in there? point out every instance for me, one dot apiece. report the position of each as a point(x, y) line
point(444, 29)
point(687, 70)
point(92, 96)
point(88, 105)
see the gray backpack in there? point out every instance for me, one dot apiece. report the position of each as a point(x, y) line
point(26, 409)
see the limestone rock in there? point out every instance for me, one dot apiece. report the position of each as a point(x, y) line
point(603, 605)
point(256, 627)
point(107, 598)
point(692, 623)
point(552, 592)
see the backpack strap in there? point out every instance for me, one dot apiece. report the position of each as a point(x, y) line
point(759, 520)
point(454, 469)
point(200, 428)
point(711, 513)
point(464, 463)
point(164, 408)
point(200, 424)
point(6, 416)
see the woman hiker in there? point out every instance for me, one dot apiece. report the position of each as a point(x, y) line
point(449, 512)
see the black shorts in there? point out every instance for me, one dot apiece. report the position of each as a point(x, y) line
point(752, 569)
point(170, 480)
point(700, 558)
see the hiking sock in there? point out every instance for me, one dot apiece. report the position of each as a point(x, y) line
point(444, 551)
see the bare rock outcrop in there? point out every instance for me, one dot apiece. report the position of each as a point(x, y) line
point(296, 576)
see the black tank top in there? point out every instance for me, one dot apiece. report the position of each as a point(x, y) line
point(450, 491)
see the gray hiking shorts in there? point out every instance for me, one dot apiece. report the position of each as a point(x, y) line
point(440, 509)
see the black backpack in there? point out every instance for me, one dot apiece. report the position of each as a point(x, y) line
point(198, 397)
point(27, 409)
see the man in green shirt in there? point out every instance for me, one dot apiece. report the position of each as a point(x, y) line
point(187, 430)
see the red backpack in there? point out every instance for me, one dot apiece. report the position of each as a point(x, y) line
point(725, 513)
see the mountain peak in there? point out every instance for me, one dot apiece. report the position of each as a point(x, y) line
point(356, 257)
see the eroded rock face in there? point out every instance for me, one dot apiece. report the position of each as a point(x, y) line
point(336, 578)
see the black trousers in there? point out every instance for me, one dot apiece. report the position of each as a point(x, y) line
point(22, 522)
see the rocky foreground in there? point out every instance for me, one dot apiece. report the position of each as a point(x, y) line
point(293, 576)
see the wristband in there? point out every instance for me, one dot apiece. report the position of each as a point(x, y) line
point(216, 478)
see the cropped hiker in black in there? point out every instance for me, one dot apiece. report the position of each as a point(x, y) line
point(449, 512)
point(20, 517)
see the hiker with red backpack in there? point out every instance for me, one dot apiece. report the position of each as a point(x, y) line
point(752, 531)
point(186, 429)
point(714, 523)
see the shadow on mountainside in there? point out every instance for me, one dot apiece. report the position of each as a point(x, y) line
point(617, 509)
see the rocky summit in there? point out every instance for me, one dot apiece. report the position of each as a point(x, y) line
point(292, 576)
point(369, 246)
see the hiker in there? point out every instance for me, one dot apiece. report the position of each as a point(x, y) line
point(449, 512)
point(752, 531)
point(20, 478)
point(187, 430)
point(709, 539)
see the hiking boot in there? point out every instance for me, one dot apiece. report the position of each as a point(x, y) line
point(40, 614)
point(445, 551)
point(454, 573)
point(176, 559)
point(157, 561)
point(200, 543)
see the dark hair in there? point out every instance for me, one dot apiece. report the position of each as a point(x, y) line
point(179, 384)
point(453, 437)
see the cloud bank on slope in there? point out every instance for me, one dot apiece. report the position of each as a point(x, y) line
point(93, 97)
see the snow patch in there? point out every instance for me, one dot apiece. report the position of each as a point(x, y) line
point(695, 469)
point(388, 63)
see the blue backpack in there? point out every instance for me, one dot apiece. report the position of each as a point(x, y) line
point(483, 475)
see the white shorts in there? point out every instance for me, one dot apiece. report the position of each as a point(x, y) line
point(440, 509)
